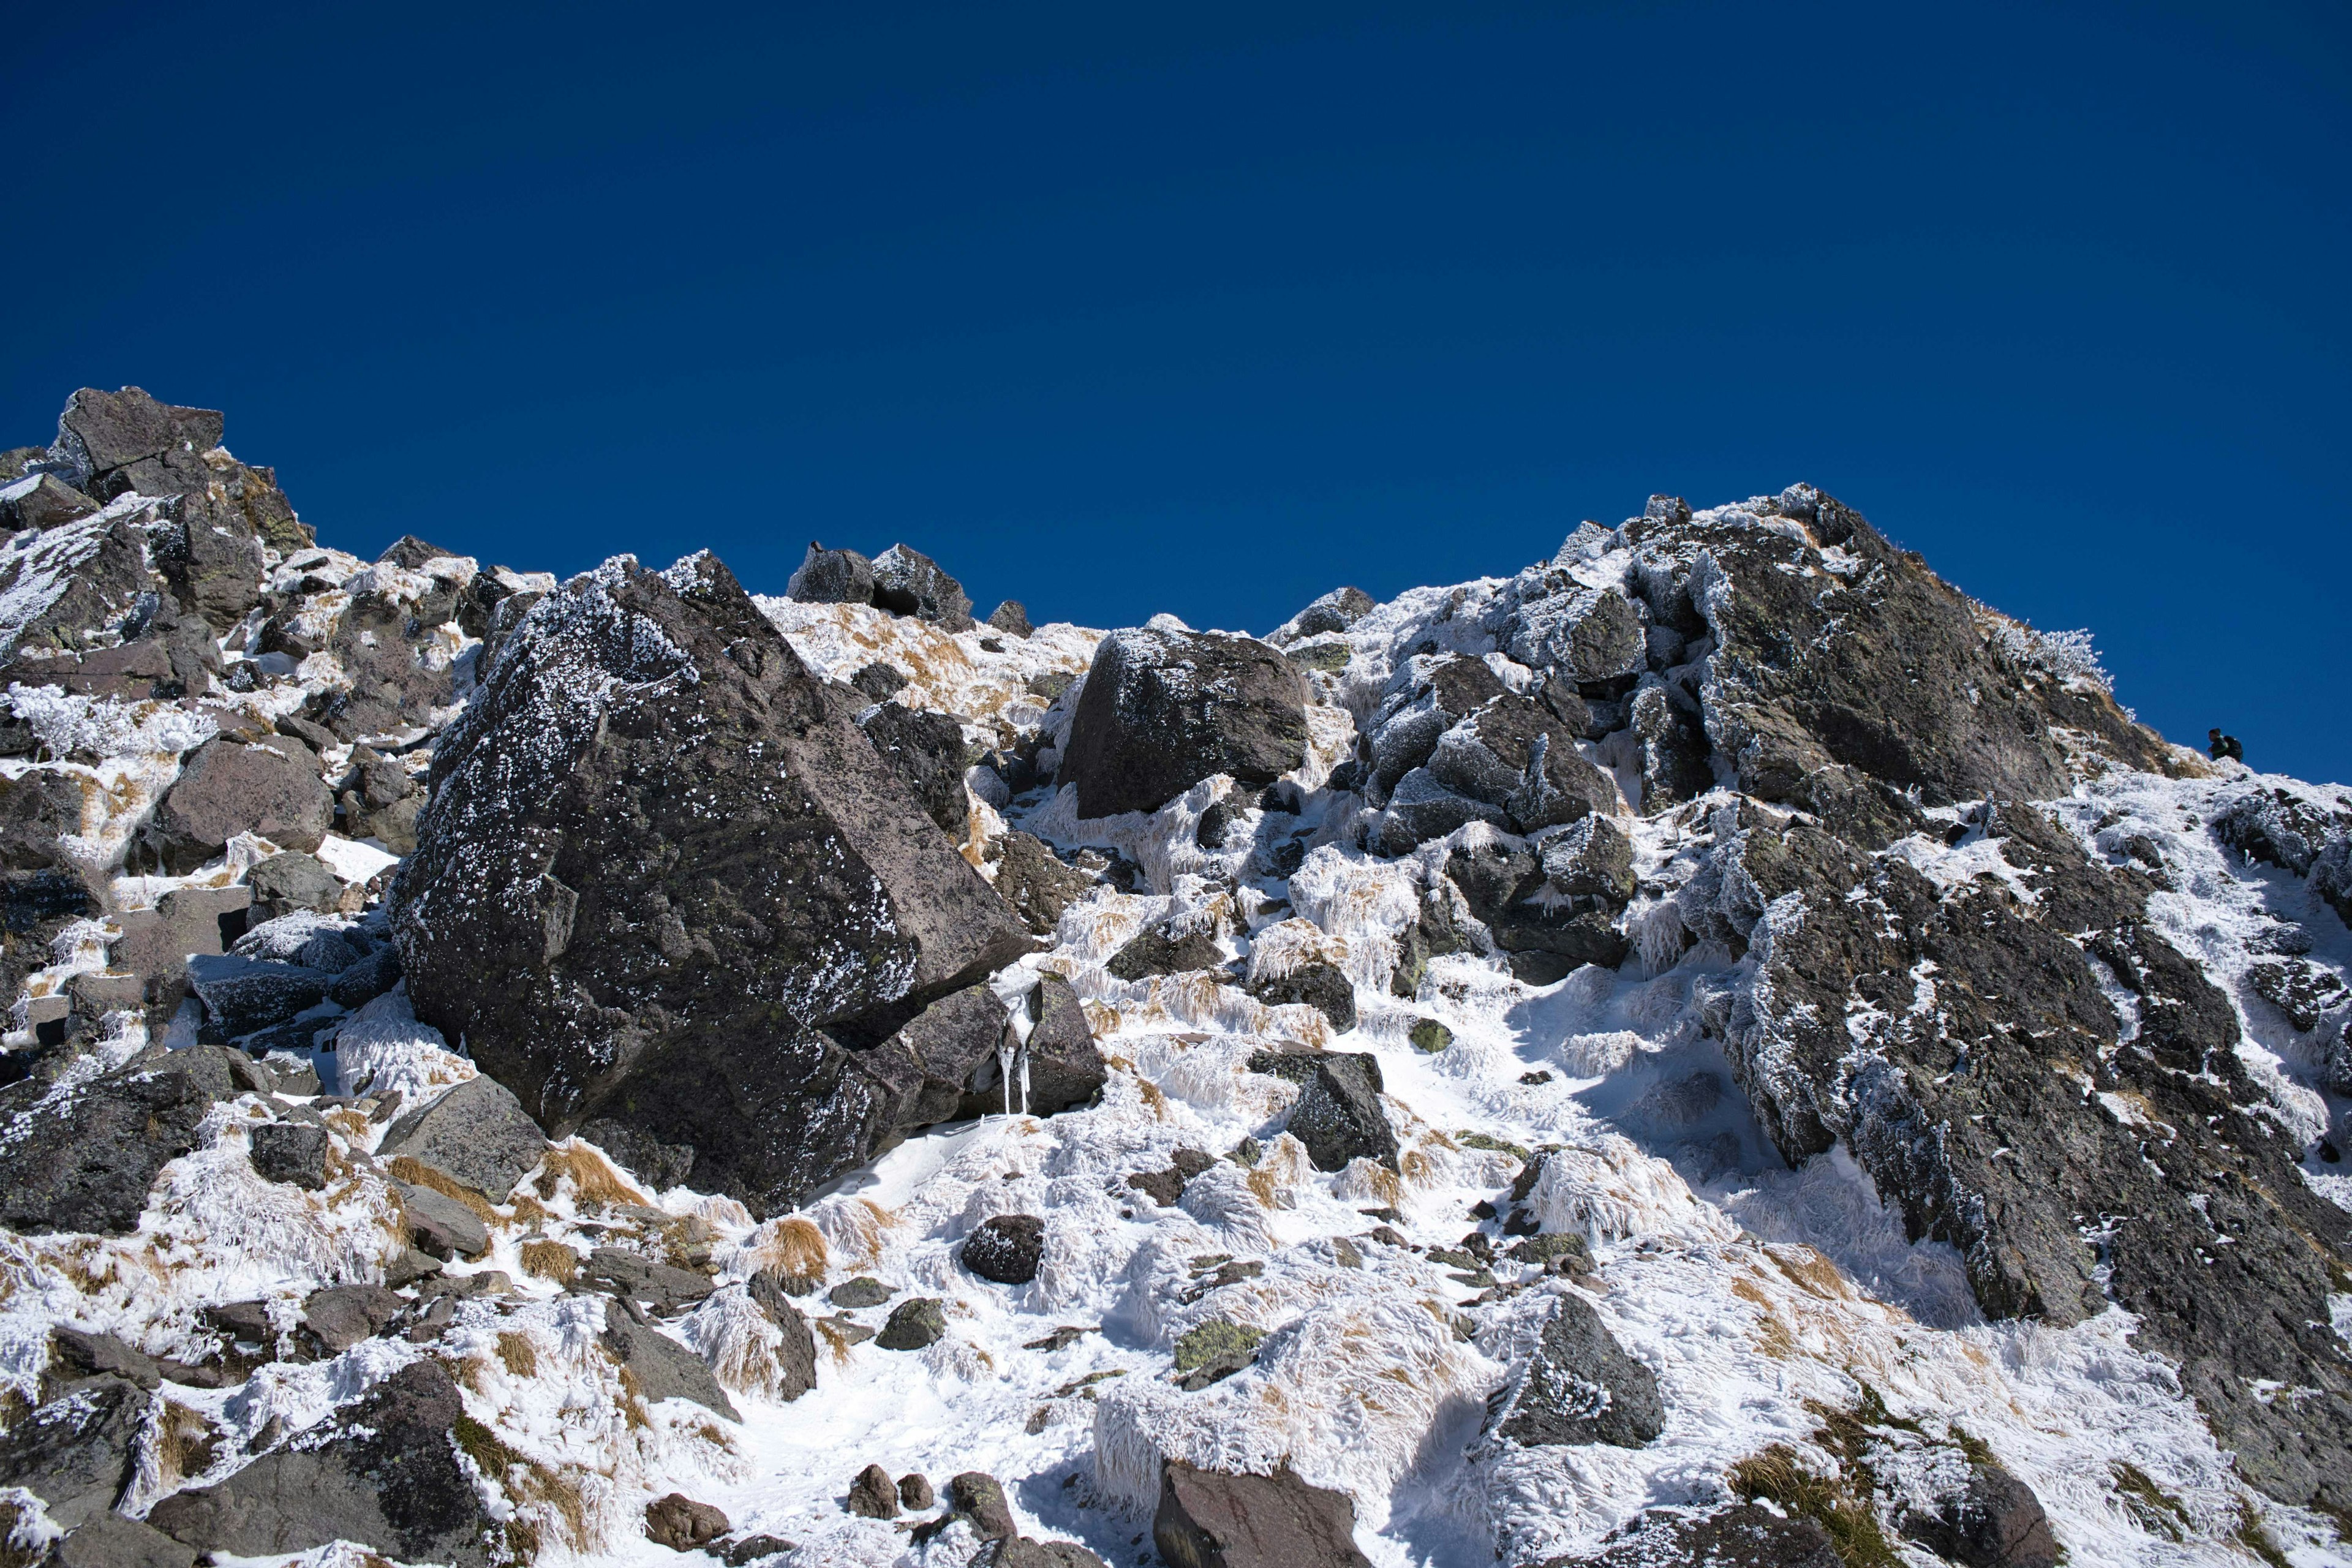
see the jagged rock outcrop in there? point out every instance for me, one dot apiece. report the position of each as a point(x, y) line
point(83, 1158)
point(659, 865)
point(1163, 710)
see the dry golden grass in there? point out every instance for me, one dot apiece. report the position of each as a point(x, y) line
point(1809, 1271)
point(835, 1340)
point(792, 1246)
point(543, 1259)
point(520, 1354)
point(593, 1178)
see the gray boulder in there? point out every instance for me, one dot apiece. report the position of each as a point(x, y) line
point(1212, 1519)
point(1156, 949)
point(1333, 612)
point(1162, 711)
point(682, 1524)
point(1035, 883)
point(1006, 1248)
point(1012, 617)
point(1340, 1116)
point(664, 1368)
point(110, 1541)
point(477, 1134)
point(270, 787)
point(1593, 860)
point(659, 1287)
point(663, 879)
point(873, 1494)
point(1065, 1067)
point(42, 500)
point(1580, 1387)
point(292, 1151)
point(1322, 986)
point(242, 996)
point(285, 883)
point(1503, 883)
point(385, 1471)
point(908, 583)
point(1993, 1521)
point(340, 1315)
point(923, 1073)
point(85, 1159)
point(438, 1224)
point(75, 1452)
point(1745, 1535)
point(914, 1322)
point(832, 578)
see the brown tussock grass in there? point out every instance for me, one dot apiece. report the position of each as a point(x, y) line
point(550, 1260)
point(593, 1178)
point(792, 1246)
point(520, 1354)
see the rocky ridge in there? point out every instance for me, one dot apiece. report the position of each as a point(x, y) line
point(1716, 1047)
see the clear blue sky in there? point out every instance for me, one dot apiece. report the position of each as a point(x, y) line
point(1116, 309)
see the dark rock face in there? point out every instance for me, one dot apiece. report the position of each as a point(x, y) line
point(1158, 951)
point(908, 583)
point(380, 801)
point(1972, 1115)
point(1745, 1535)
point(1340, 1116)
point(1994, 1521)
point(1006, 1248)
point(663, 1165)
point(873, 1494)
point(832, 578)
point(111, 1541)
point(1035, 883)
point(664, 1368)
point(1579, 1388)
point(927, 750)
point(659, 865)
point(1333, 612)
point(1162, 711)
point(285, 883)
point(1011, 616)
point(85, 1159)
point(384, 1473)
point(292, 1151)
point(1450, 744)
point(1505, 885)
point(478, 1134)
point(796, 1355)
point(1322, 986)
point(1208, 1518)
point(74, 1452)
point(242, 996)
point(270, 787)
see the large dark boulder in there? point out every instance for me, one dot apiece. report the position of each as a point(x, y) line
point(1545, 935)
point(1006, 1248)
point(909, 582)
point(1340, 1116)
point(1993, 1520)
point(663, 1368)
point(832, 578)
point(386, 1471)
point(1210, 1518)
point(75, 1452)
point(1162, 711)
point(1580, 1387)
point(665, 881)
point(270, 787)
point(83, 1159)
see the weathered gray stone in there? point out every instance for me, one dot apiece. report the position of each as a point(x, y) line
point(292, 1151)
point(646, 905)
point(285, 883)
point(1012, 617)
point(85, 1160)
point(832, 578)
point(664, 1368)
point(476, 1134)
point(77, 1353)
point(340, 1315)
point(385, 1472)
point(680, 1524)
point(927, 752)
point(1162, 711)
point(110, 1541)
point(1035, 883)
point(873, 1494)
point(797, 1354)
point(1209, 1519)
point(439, 1225)
point(1580, 1387)
point(243, 995)
point(271, 788)
point(914, 1322)
point(1322, 986)
point(1993, 1521)
point(75, 1451)
point(1745, 1535)
point(658, 1287)
point(1340, 1116)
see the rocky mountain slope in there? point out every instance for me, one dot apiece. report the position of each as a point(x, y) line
point(1716, 1049)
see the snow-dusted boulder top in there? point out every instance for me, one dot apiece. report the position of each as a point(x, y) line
point(1163, 710)
point(658, 859)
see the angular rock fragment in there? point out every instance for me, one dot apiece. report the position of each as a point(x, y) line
point(873, 1494)
point(75, 1451)
point(927, 750)
point(1210, 1519)
point(1579, 1388)
point(679, 1522)
point(1340, 1116)
point(1162, 711)
point(477, 1134)
point(663, 1368)
point(662, 878)
point(86, 1159)
point(832, 578)
point(292, 1151)
point(343, 1315)
point(908, 583)
point(914, 1323)
point(1035, 883)
point(270, 787)
point(1006, 1248)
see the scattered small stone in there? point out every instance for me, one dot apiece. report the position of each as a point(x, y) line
point(1006, 1248)
point(292, 1152)
point(873, 1495)
point(343, 1315)
point(1535, 1078)
point(1061, 1338)
point(682, 1524)
point(753, 1548)
point(915, 1493)
point(1213, 1351)
point(863, 1291)
point(1430, 1036)
point(914, 1323)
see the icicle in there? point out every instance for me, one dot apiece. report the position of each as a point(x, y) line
point(1004, 1050)
point(1024, 1077)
